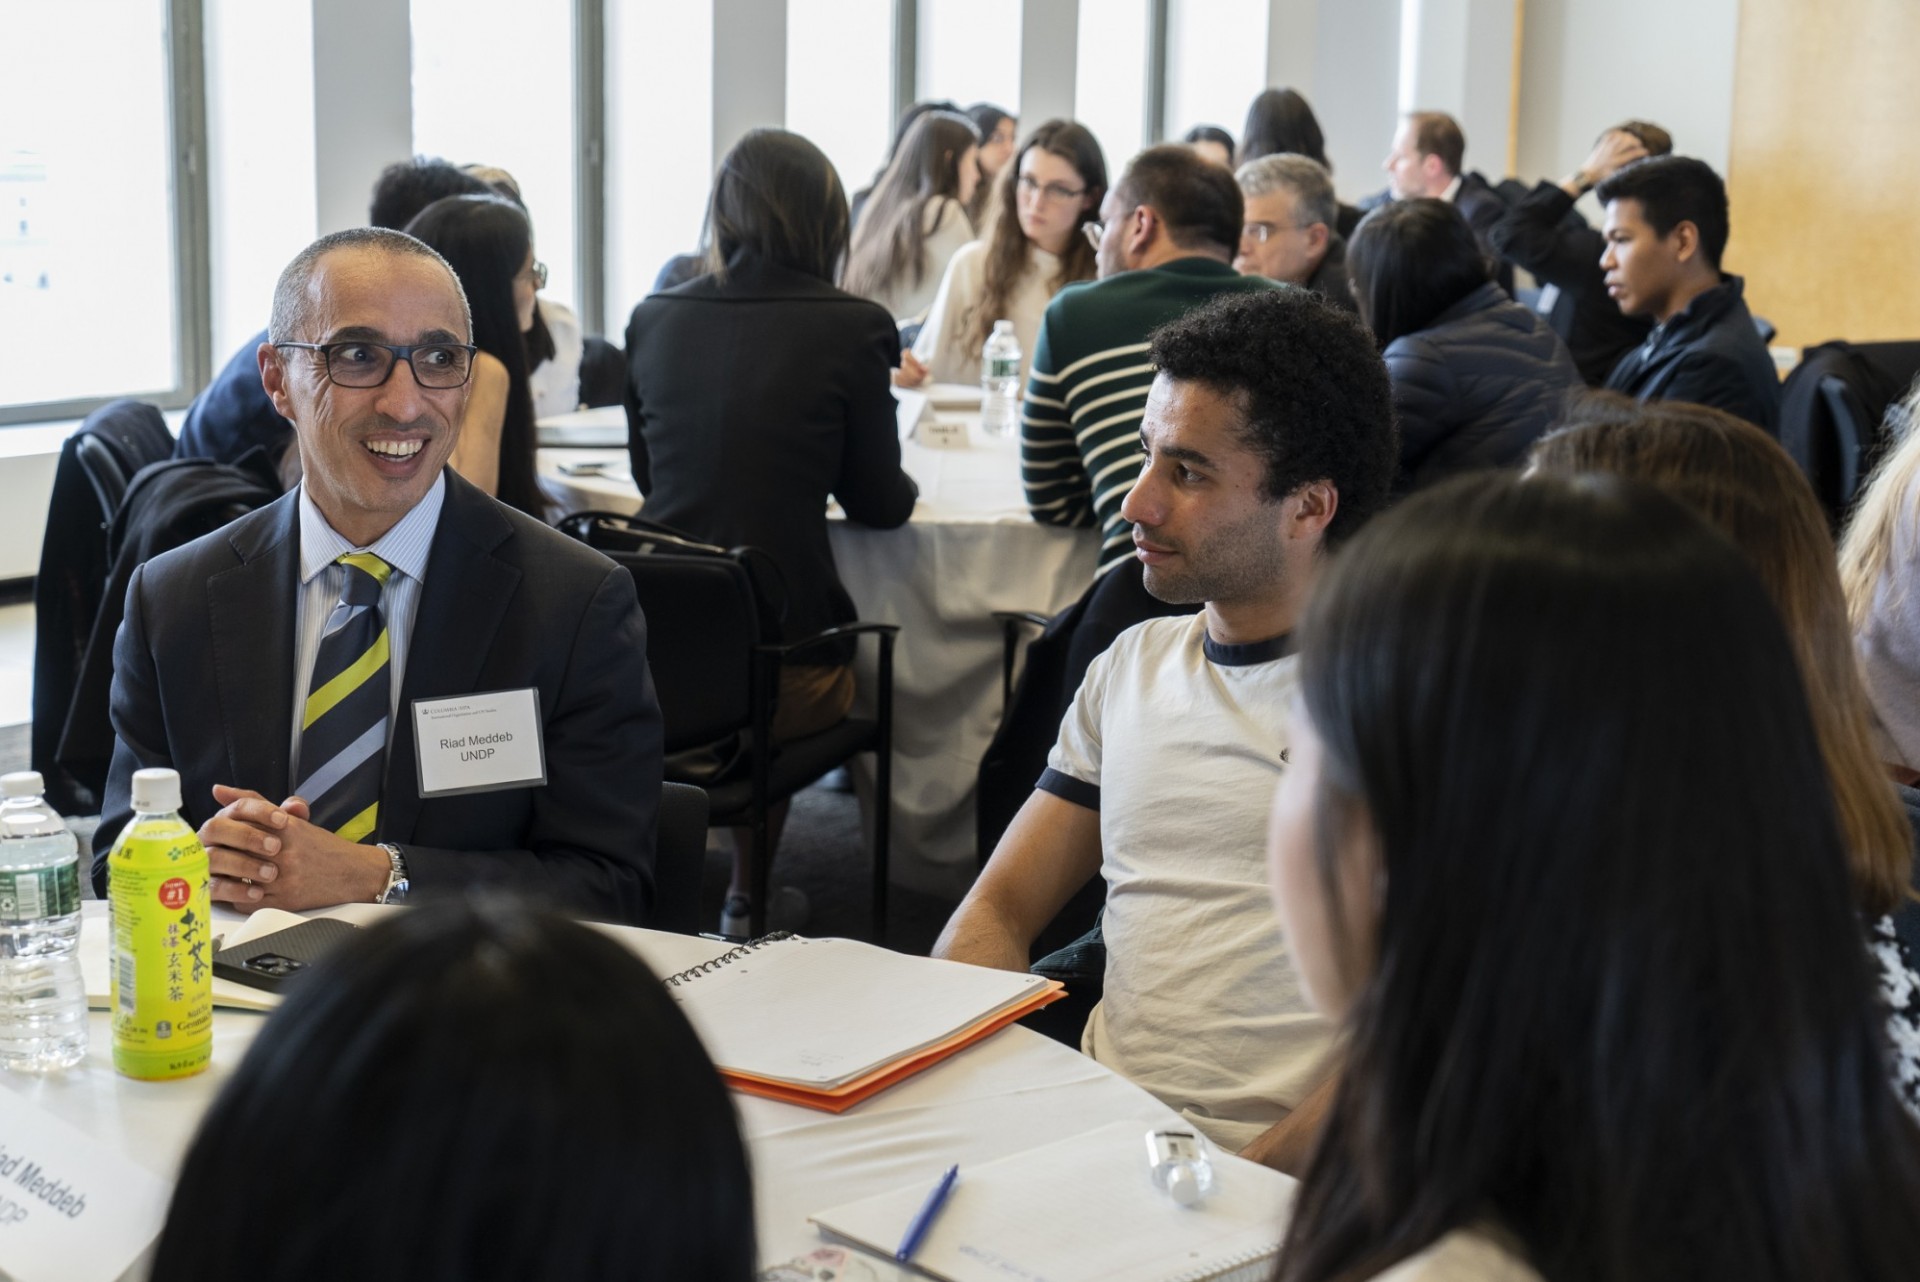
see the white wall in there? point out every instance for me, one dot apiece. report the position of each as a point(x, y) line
point(1587, 65)
point(1344, 56)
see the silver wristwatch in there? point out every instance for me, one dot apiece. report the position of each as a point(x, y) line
point(397, 885)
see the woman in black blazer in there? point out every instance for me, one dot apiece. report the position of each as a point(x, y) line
point(756, 391)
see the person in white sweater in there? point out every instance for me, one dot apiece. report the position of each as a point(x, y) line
point(1032, 245)
point(916, 219)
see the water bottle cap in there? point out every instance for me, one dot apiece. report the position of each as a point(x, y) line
point(22, 783)
point(1183, 1184)
point(156, 791)
point(1003, 327)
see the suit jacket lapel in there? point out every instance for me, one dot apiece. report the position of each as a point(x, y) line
point(462, 604)
point(250, 611)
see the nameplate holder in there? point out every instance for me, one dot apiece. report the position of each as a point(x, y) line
point(71, 1210)
point(485, 742)
point(936, 433)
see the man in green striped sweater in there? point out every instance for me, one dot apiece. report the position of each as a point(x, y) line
point(1168, 232)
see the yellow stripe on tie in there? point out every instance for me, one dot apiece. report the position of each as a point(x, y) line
point(322, 701)
point(361, 824)
point(370, 563)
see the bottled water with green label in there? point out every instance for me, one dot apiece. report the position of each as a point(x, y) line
point(1000, 381)
point(43, 999)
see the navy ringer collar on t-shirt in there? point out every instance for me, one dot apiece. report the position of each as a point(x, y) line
point(1247, 653)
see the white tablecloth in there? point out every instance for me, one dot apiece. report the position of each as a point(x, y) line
point(1014, 1091)
point(969, 550)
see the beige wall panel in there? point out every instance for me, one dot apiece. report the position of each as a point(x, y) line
point(1824, 177)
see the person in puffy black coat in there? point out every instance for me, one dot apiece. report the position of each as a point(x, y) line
point(1476, 377)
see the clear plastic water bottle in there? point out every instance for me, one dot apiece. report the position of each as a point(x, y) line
point(1000, 381)
point(1181, 1168)
point(43, 999)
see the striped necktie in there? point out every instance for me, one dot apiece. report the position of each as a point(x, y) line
point(343, 729)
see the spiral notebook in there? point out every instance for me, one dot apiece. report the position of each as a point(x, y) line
point(827, 1023)
point(1082, 1208)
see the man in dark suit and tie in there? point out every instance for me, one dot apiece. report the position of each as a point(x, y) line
point(348, 647)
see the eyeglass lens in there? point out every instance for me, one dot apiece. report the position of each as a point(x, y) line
point(370, 364)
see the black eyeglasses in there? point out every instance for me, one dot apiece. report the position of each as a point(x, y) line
point(1055, 192)
point(357, 363)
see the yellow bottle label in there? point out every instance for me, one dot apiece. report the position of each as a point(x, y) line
point(162, 942)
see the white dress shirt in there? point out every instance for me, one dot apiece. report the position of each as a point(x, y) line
point(322, 578)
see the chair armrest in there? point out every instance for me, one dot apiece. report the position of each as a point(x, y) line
point(1021, 616)
point(887, 630)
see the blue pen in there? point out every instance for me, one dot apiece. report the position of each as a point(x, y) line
point(929, 1212)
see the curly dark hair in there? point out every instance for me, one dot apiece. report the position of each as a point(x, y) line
point(1312, 385)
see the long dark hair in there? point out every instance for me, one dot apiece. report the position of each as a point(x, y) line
point(777, 198)
point(1409, 261)
point(890, 243)
point(1280, 120)
point(1009, 255)
point(474, 1092)
point(1619, 1008)
point(486, 240)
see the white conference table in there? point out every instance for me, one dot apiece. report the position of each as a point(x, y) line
point(1011, 1092)
point(970, 549)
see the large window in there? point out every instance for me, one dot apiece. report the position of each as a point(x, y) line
point(659, 141)
point(970, 52)
point(87, 246)
point(1110, 78)
point(493, 85)
point(840, 81)
point(1216, 62)
point(260, 183)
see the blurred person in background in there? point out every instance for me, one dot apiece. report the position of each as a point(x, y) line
point(917, 217)
point(1543, 234)
point(1477, 378)
point(554, 342)
point(1281, 121)
point(488, 242)
point(999, 135)
point(1212, 143)
point(1288, 234)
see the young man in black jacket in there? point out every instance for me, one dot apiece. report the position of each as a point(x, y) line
point(1665, 230)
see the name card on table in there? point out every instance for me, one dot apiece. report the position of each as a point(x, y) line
point(70, 1209)
point(479, 742)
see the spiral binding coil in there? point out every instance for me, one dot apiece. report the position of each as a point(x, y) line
point(728, 958)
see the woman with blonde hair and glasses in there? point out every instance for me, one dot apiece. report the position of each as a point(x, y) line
point(1746, 486)
point(1032, 247)
point(1879, 555)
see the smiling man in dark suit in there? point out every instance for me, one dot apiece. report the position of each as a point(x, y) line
point(305, 651)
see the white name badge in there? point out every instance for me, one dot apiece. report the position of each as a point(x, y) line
point(479, 742)
point(71, 1210)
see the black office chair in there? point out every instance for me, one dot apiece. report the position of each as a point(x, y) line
point(116, 441)
point(679, 857)
point(710, 615)
point(1833, 410)
point(89, 483)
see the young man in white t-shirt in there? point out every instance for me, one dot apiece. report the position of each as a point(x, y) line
point(1268, 436)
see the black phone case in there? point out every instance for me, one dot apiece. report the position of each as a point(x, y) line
point(303, 944)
